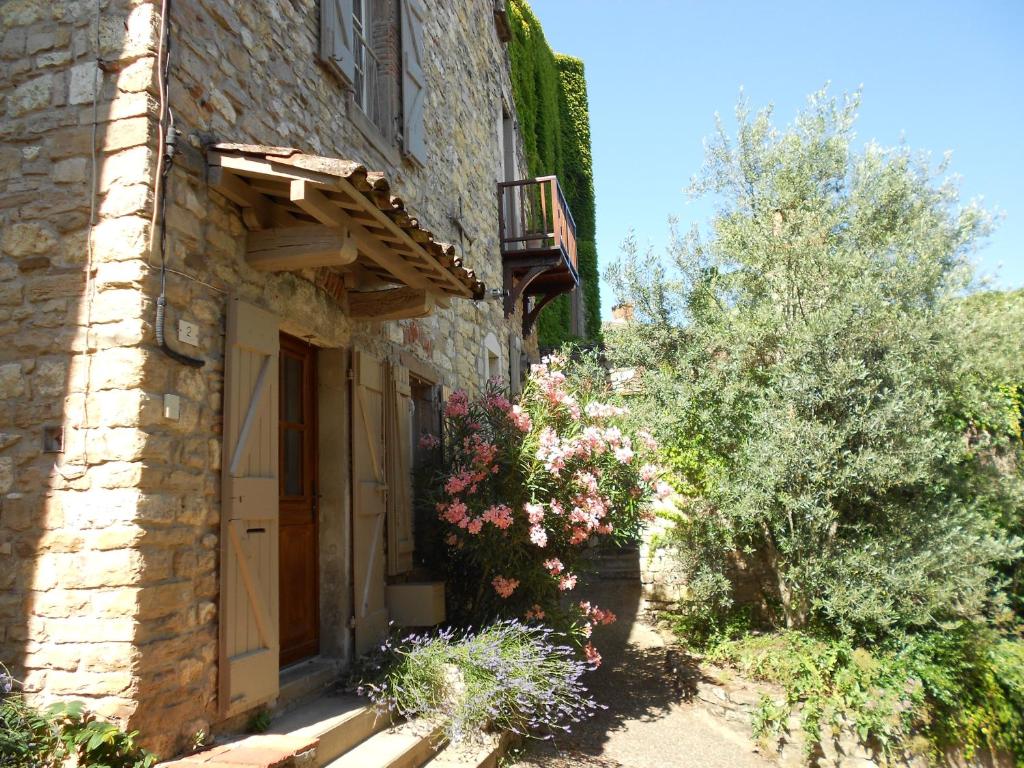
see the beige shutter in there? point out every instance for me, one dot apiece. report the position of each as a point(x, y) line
point(369, 502)
point(336, 42)
point(414, 81)
point(399, 410)
point(249, 498)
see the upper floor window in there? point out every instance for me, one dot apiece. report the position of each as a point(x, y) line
point(377, 48)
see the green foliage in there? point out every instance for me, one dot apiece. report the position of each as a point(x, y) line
point(508, 676)
point(33, 738)
point(827, 395)
point(550, 92)
point(958, 689)
point(258, 722)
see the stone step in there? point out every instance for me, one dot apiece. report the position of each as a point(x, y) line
point(408, 745)
point(336, 723)
point(485, 755)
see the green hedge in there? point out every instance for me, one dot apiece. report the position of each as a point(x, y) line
point(551, 100)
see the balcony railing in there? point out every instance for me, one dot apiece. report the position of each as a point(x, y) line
point(535, 220)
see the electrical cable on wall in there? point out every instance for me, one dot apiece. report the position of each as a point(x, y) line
point(166, 140)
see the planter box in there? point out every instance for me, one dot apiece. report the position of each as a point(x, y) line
point(416, 603)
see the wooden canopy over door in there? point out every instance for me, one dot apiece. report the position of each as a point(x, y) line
point(369, 502)
point(249, 512)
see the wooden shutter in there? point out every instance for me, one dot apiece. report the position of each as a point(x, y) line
point(337, 47)
point(249, 498)
point(398, 422)
point(414, 82)
point(369, 502)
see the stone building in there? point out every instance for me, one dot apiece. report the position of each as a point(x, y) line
point(228, 308)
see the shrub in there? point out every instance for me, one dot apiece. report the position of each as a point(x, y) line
point(508, 676)
point(524, 489)
point(33, 738)
point(815, 359)
point(959, 689)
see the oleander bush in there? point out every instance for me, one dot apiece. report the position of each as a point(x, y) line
point(522, 490)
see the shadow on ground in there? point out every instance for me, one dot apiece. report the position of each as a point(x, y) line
point(634, 681)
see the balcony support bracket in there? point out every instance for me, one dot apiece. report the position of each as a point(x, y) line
point(529, 318)
point(514, 288)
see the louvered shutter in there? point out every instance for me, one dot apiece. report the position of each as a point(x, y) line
point(414, 82)
point(369, 502)
point(337, 46)
point(249, 511)
point(399, 451)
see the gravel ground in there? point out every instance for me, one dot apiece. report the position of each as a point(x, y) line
point(648, 723)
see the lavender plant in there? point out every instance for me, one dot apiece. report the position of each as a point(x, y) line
point(508, 676)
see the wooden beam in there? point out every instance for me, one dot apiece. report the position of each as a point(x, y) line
point(255, 207)
point(392, 304)
point(369, 244)
point(316, 204)
point(290, 248)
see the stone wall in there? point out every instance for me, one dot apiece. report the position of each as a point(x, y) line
point(86, 554)
point(733, 699)
point(109, 548)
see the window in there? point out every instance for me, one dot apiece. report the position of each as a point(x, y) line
point(376, 47)
point(376, 80)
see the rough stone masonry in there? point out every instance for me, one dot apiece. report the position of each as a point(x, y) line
point(109, 512)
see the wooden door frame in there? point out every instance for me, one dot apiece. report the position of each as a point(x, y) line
point(299, 347)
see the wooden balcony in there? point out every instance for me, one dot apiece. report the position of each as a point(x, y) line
point(538, 243)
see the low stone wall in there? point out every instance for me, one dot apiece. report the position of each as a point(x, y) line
point(724, 694)
point(664, 584)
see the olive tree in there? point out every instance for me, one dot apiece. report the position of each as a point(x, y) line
point(815, 355)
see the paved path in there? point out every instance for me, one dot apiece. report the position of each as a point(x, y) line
point(647, 723)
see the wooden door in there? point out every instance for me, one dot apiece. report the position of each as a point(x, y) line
point(369, 503)
point(248, 653)
point(300, 600)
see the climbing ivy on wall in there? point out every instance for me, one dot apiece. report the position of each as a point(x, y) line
point(550, 92)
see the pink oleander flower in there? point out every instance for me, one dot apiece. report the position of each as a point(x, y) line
point(455, 513)
point(520, 419)
point(554, 566)
point(536, 612)
point(451, 539)
point(587, 629)
point(556, 508)
point(538, 536)
point(592, 655)
point(597, 410)
point(624, 455)
point(534, 512)
point(482, 450)
point(458, 404)
point(647, 440)
point(567, 582)
point(504, 587)
point(587, 480)
point(612, 436)
point(498, 400)
point(499, 515)
point(648, 473)
point(579, 535)
point(604, 617)
point(429, 441)
point(662, 490)
point(475, 525)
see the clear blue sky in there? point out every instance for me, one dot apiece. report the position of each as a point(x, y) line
point(945, 75)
